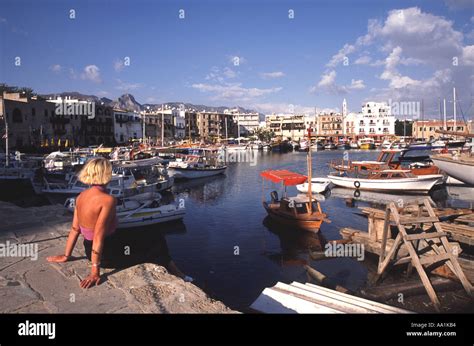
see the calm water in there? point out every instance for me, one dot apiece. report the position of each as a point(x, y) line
point(233, 252)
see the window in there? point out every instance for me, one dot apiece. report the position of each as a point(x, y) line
point(45, 112)
point(17, 117)
point(33, 111)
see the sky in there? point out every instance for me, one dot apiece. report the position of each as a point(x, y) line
point(269, 55)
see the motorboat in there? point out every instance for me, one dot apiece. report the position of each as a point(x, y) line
point(387, 180)
point(366, 143)
point(302, 211)
point(193, 166)
point(318, 185)
point(330, 146)
point(142, 210)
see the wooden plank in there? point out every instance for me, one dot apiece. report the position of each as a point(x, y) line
point(411, 237)
point(417, 220)
point(349, 299)
point(431, 259)
point(410, 288)
point(354, 299)
point(333, 302)
point(276, 301)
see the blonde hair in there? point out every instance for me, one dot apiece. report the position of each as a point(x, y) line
point(97, 171)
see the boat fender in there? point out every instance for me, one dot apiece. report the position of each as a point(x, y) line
point(357, 184)
point(357, 193)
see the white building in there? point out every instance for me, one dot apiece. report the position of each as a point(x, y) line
point(127, 126)
point(375, 120)
point(248, 122)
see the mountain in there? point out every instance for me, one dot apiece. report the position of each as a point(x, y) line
point(128, 102)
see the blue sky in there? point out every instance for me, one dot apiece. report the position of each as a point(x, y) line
point(358, 50)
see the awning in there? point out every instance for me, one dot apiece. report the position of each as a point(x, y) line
point(288, 178)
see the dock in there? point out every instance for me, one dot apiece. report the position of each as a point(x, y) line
point(299, 298)
point(415, 235)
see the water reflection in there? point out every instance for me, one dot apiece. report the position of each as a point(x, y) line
point(201, 191)
point(294, 244)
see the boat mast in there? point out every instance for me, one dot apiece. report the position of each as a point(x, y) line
point(444, 115)
point(162, 126)
point(423, 120)
point(454, 109)
point(310, 195)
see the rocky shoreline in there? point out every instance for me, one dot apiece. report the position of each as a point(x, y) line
point(36, 286)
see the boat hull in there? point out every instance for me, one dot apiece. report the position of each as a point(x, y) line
point(458, 169)
point(193, 173)
point(306, 224)
point(317, 186)
point(151, 219)
point(422, 184)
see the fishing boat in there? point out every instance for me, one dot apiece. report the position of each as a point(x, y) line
point(387, 180)
point(197, 166)
point(354, 145)
point(343, 146)
point(366, 143)
point(304, 146)
point(142, 210)
point(317, 146)
point(301, 211)
point(460, 167)
point(318, 185)
point(420, 145)
point(391, 159)
point(330, 146)
point(131, 177)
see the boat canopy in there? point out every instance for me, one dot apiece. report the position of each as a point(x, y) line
point(286, 177)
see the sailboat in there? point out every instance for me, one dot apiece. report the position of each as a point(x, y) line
point(302, 211)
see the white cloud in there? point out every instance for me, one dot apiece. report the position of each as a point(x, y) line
point(92, 73)
point(272, 75)
point(406, 38)
point(124, 86)
point(328, 84)
point(339, 56)
point(56, 68)
point(233, 91)
point(220, 75)
point(118, 65)
point(286, 108)
point(363, 60)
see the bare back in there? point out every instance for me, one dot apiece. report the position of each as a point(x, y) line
point(93, 206)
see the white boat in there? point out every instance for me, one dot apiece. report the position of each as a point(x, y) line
point(197, 166)
point(388, 180)
point(236, 147)
point(330, 146)
point(366, 143)
point(317, 147)
point(129, 178)
point(142, 210)
point(460, 167)
point(354, 145)
point(318, 185)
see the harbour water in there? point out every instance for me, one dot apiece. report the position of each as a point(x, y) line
point(233, 251)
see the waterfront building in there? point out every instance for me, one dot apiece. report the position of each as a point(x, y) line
point(127, 126)
point(287, 125)
point(375, 121)
point(30, 121)
point(212, 126)
point(330, 126)
point(426, 129)
point(248, 122)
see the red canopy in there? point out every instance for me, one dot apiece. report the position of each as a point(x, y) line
point(288, 178)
